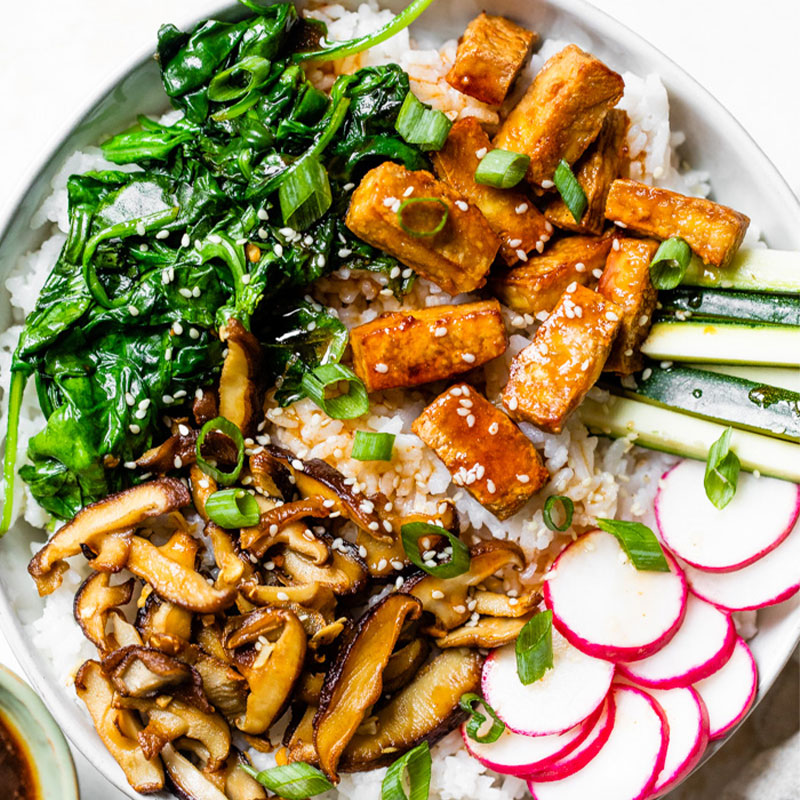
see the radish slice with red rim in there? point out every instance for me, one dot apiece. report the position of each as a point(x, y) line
point(627, 765)
point(760, 516)
point(730, 691)
point(606, 607)
point(701, 646)
point(565, 696)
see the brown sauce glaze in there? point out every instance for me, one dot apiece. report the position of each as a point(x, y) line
point(17, 780)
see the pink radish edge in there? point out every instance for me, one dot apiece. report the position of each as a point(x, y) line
point(788, 592)
point(609, 652)
point(747, 561)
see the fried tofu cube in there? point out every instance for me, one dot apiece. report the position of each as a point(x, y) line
point(490, 55)
point(538, 285)
point(484, 450)
point(713, 231)
point(561, 113)
point(595, 171)
point(456, 258)
point(626, 281)
point(511, 215)
point(550, 377)
point(408, 348)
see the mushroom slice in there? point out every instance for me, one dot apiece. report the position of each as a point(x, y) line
point(268, 646)
point(117, 512)
point(204, 406)
point(203, 486)
point(224, 687)
point(446, 598)
point(489, 632)
point(93, 602)
point(309, 595)
point(187, 781)
point(163, 625)
point(137, 671)
point(354, 682)
point(309, 687)
point(404, 664)
point(425, 710)
point(121, 633)
point(179, 449)
point(240, 380)
point(259, 538)
point(95, 689)
point(272, 475)
point(233, 566)
point(345, 574)
point(300, 739)
point(497, 604)
point(236, 783)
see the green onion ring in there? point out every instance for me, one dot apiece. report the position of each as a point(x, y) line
point(547, 511)
point(476, 719)
point(420, 234)
point(459, 561)
point(225, 426)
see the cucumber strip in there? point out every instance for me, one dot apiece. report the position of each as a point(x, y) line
point(723, 342)
point(673, 432)
point(774, 376)
point(723, 398)
point(758, 268)
point(691, 303)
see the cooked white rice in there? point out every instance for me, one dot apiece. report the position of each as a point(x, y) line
point(603, 478)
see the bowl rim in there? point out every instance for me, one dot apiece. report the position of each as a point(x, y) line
point(595, 18)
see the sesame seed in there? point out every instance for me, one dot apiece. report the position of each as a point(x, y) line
point(273, 529)
point(177, 462)
point(468, 357)
point(490, 487)
point(547, 184)
point(514, 243)
point(465, 402)
point(297, 464)
point(262, 214)
point(481, 153)
point(512, 403)
point(184, 292)
point(460, 609)
point(397, 564)
point(387, 526)
point(407, 273)
point(129, 465)
point(194, 333)
point(572, 287)
point(615, 244)
point(162, 235)
point(437, 594)
point(186, 240)
point(542, 315)
point(521, 208)
point(168, 354)
point(598, 273)
point(133, 311)
point(263, 233)
point(140, 413)
point(456, 391)
point(381, 367)
point(362, 551)
point(523, 478)
point(470, 420)
point(134, 428)
point(612, 317)
point(389, 201)
point(140, 229)
point(522, 255)
point(493, 428)
point(282, 596)
point(278, 249)
point(382, 564)
point(643, 319)
point(439, 332)
point(512, 601)
point(629, 351)
point(540, 246)
point(462, 205)
point(647, 373)
point(183, 430)
point(129, 399)
point(620, 224)
point(177, 329)
point(580, 267)
point(344, 252)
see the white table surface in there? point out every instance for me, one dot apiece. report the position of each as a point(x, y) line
point(53, 55)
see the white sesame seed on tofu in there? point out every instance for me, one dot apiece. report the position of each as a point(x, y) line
point(521, 208)
point(381, 367)
point(282, 596)
point(439, 332)
point(481, 153)
point(580, 267)
point(598, 273)
point(362, 551)
point(523, 478)
point(490, 487)
point(470, 420)
point(494, 428)
point(468, 357)
point(620, 224)
point(456, 391)
point(466, 402)
point(514, 242)
point(407, 273)
point(611, 316)
point(462, 412)
point(540, 246)
point(615, 244)
point(572, 287)
point(512, 403)
point(461, 205)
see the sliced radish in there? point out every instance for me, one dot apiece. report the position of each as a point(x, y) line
point(688, 734)
point(518, 754)
point(564, 697)
point(760, 516)
point(730, 691)
point(770, 580)
point(585, 751)
point(701, 646)
point(627, 765)
point(607, 607)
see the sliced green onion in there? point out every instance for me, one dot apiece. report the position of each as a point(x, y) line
point(413, 770)
point(421, 125)
point(670, 263)
point(476, 719)
point(570, 190)
point(292, 781)
point(344, 406)
point(225, 426)
point(18, 381)
point(722, 471)
point(502, 168)
point(228, 84)
point(233, 508)
point(368, 446)
point(416, 231)
point(458, 564)
point(567, 505)
point(305, 195)
point(353, 46)
point(639, 542)
point(534, 647)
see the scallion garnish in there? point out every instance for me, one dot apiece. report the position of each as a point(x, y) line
point(534, 647)
point(305, 195)
point(502, 168)
point(547, 512)
point(476, 719)
point(230, 430)
point(16, 390)
point(292, 781)
point(233, 508)
point(458, 562)
point(639, 542)
point(722, 471)
point(368, 446)
point(570, 190)
point(670, 263)
point(421, 125)
point(413, 770)
point(317, 383)
point(420, 232)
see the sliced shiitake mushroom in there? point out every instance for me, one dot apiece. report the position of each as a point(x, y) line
point(271, 475)
point(309, 687)
point(114, 725)
point(188, 782)
point(203, 486)
point(498, 604)
point(163, 625)
point(93, 602)
point(282, 521)
point(345, 573)
point(224, 687)
point(240, 383)
point(425, 710)
point(117, 512)
point(489, 632)
point(309, 595)
point(404, 664)
point(300, 738)
point(234, 567)
point(354, 681)
point(120, 632)
point(231, 779)
point(173, 453)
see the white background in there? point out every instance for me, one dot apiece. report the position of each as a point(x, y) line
point(55, 55)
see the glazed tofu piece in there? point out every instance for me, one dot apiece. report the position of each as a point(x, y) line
point(456, 258)
point(626, 281)
point(490, 55)
point(413, 347)
point(561, 113)
point(551, 376)
point(713, 231)
point(484, 450)
point(595, 171)
point(538, 285)
point(511, 215)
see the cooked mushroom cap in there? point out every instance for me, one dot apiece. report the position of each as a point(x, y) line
point(242, 376)
point(404, 664)
point(300, 738)
point(224, 687)
point(161, 459)
point(489, 632)
point(280, 518)
point(187, 781)
point(345, 574)
point(164, 625)
point(93, 601)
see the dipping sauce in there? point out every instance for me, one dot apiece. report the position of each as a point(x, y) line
point(16, 771)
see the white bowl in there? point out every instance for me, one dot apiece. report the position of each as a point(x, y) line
point(741, 175)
